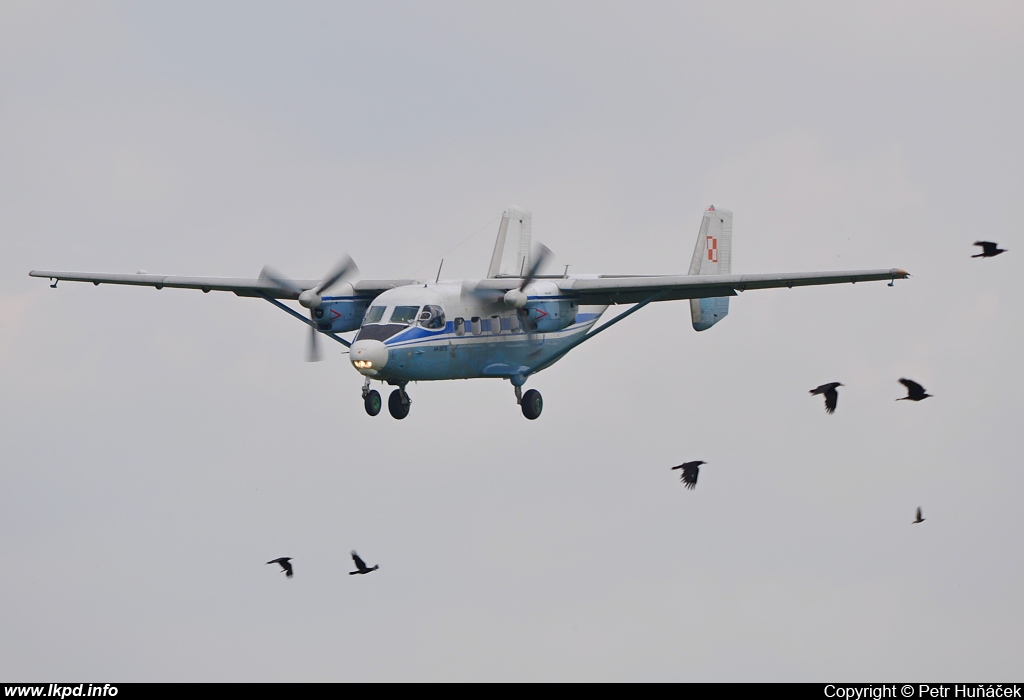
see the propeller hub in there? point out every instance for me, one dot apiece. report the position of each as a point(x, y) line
point(310, 299)
point(515, 299)
point(368, 356)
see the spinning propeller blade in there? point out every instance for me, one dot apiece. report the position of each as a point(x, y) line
point(540, 256)
point(279, 280)
point(313, 353)
point(482, 296)
point(311, 298)
point(343, 268)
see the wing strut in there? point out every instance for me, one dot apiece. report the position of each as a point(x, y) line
point(636, 307)
point(302, 318)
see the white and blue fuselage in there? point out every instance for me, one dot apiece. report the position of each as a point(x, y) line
point(436, 331)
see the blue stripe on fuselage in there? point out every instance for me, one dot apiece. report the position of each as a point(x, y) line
point(418, 354)
point(416, 333)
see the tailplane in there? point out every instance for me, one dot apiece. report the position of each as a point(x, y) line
point(712, 256)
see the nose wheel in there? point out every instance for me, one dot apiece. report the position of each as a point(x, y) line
point(398, 403)
point(372, 402)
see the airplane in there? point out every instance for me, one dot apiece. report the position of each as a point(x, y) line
point(510, 325)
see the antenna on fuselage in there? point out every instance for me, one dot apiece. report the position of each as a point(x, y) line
point(439, 271)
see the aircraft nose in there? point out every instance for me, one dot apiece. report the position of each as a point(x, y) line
point(368, 356)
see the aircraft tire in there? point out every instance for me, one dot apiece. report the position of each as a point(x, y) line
point(372, 402)
point(532, 404)
point(396, 407)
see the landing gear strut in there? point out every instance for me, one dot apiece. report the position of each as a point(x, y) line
point(531, 402)
point(371, 399)
point(399, 402)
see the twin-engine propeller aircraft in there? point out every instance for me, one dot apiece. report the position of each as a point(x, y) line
point(509, 325)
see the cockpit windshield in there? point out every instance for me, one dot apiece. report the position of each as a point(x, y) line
point(404, 314)
point(374, 315)
point(432, 317)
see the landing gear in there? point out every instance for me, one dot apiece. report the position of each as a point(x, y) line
point(399, 402)
point(372, 402)
point(371, 399)
point(531, 403)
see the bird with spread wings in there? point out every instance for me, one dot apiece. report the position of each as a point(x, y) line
point(286, 567)
point(988, 249)
point(690, 472)
point(915, 392)
point(361, 565)
point(831, 395)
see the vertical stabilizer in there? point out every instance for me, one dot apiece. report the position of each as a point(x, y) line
point(712, 256)
point(511, 257)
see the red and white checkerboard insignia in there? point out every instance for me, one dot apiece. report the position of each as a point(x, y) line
point(712, 249)
point(711, 208)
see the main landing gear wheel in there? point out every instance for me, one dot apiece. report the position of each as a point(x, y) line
point(372, 402)
point(399, 408)
point(532, 404)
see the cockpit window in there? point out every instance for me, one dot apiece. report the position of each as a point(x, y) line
point(374, 315)
point(404, 314)
point(432, 317)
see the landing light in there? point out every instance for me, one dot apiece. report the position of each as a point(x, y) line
point(362, 364)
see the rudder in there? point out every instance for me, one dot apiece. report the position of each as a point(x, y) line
point(511, 256)
point(712, 256)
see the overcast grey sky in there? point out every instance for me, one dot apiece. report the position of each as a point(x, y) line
point(160, 446)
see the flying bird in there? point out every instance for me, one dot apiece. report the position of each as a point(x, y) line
point(361, 565)
point(988, 249)
point(919, 518)
point(831, 395)
point(285, 566)
point(915, 392)
point(690, 472)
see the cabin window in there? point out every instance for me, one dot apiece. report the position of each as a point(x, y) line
point(460, 326)
point(513, 323)
point(432, 317)
point(475, 324)
point(404, 314)
point(374, 315)
point(495, 324)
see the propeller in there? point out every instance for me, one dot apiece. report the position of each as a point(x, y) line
point(481, 295)
point(513, 298)
point(311, 298)
point(516, 298)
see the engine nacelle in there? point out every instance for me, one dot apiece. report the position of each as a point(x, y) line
point(340, 316)
point(548, 316)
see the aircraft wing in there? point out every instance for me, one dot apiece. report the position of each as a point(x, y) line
point(243, 287)
point(611, 289)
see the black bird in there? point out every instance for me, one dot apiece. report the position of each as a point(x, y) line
point(285, 566)
point(988, 249)
point(831, 395)
point(915, 392)
point(361, 565)
point(919, 518)
point(690, 472)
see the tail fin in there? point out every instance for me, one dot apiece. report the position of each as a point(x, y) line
point(511, 257)
point(712, 256)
